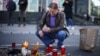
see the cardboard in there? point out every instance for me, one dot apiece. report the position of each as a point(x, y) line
point(88, 38)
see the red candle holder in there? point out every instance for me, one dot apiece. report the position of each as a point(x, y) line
point(63, 50)
point(50, 48)
point(35, 52)
point(47, 51)
point(13, 44)
point(54, 52)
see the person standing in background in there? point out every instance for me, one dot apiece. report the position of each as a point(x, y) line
point(11, 7)
point(68, 11)
point(22, 11)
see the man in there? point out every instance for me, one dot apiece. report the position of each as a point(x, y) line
point(22, 7)
point(11, 7)
point(68, 11)
point(52, 26)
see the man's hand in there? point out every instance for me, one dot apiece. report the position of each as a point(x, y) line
point(41, 33)
point(46, 29)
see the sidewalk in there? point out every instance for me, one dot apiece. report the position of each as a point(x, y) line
point(15, 33)
point(9, 34)
point(82, 21)
point(31, 29)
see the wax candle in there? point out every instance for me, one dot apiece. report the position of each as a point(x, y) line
point(24, 51)
point(50, 48)
point(35, 48)
point(63, 50)
point(54, 52)
point(13, 44)
point(25, 44)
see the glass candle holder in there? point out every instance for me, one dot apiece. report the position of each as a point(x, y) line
point(35, 52)
point(50, 48)
point(63, 50)
point(54, 52)
point(13, 44)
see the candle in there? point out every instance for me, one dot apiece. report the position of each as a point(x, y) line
point(13, 44)
point(47, 51)
point(25, 44)
point(35, 52)
point(63, 50)
point(59, 54)
point(24, 51)
point(35, 48)
point(50, 48)
point(55, 52)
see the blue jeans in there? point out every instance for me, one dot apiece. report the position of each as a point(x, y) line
point(50, 38)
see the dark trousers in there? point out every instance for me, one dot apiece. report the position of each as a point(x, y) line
point(10, 16)
point(21, 20)
point(50, 38)
point(22, 15)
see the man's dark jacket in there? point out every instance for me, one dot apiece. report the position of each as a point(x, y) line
point(68, 9)
point(11, 6)
point(59, 22)
point(23, 6)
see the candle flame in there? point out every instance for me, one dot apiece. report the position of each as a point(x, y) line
point(36, 46)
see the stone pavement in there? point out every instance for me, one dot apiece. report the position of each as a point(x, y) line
point(9, 34)
point(15, 33)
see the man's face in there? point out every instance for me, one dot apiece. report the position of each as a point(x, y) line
point(53, 11)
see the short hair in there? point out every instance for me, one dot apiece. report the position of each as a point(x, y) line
point(53, 5)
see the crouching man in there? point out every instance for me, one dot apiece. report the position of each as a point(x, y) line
point(51, 26)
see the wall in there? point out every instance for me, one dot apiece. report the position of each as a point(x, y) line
point(31, 17)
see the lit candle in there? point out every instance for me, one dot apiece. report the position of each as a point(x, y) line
point(54, 52)
point(24, 51)
point(50, 48)
point(25, 44)
point(35, 48)
point(24, 48)
point(63, 50)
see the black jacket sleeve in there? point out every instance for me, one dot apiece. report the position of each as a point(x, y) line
point(42, 22)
